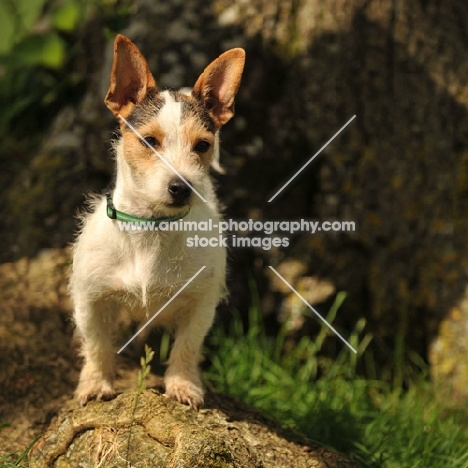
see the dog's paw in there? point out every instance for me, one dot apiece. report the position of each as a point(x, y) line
point(185, 391)
point(94, 390)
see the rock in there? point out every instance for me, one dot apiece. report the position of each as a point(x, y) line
point(164, 433)
point(448, 352)
point(38, 283)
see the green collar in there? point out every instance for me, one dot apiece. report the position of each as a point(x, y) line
point(120, 216)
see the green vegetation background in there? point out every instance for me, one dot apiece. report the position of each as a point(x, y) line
point(39, 73)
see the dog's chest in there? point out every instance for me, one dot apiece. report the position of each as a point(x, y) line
point(146, 274)
point(136, 270)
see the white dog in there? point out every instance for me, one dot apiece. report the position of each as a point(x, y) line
point(168, 142)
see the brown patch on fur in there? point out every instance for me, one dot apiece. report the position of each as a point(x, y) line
point(194, 131)
point(137, 154)
point(150, 129)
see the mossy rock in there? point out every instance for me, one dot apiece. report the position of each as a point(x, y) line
point(449, 366)
point(164, 433)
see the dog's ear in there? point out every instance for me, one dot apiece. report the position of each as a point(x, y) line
point(218, 84)
point(130, 77)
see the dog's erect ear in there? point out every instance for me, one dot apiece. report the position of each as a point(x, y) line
point(130, 78)
point(218, 84)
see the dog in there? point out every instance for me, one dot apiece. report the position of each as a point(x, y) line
point(167, 142)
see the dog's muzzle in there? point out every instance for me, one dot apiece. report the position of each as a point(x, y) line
point(179, 191)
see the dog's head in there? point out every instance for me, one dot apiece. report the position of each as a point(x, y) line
point(169, 138)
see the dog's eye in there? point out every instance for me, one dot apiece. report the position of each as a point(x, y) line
point(202, 147)
point(151, 141)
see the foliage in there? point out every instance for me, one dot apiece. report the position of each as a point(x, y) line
point(32, 31)
point(42, 67)
point(142, 375)
point(5, 460)
point(377, 422)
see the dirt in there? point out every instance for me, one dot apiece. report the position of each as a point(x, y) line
point(38, 369)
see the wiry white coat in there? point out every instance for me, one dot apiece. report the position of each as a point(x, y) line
point(143, 270)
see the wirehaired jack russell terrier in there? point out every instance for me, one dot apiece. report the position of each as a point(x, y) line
point(167, 139)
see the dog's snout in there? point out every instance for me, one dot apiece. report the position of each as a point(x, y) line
point(180, 192)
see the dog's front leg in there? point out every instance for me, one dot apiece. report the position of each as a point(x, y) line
point(183, 377)
point(94, 322)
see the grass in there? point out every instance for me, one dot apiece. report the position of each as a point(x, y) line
point(145, 369)
point(376, 422)
point(6, 460)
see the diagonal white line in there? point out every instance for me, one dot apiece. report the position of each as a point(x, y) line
point(135, 131)
point(312, 309)
point(161, 309)
point(311, 159)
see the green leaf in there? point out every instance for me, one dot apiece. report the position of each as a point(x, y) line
point(66, 17)
point(7, 28)
point(46, 49)
point(28, 12)
point(53, 54)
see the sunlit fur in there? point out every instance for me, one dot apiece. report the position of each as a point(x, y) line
point(142, 270)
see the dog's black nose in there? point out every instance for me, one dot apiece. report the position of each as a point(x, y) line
point(179, 191)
